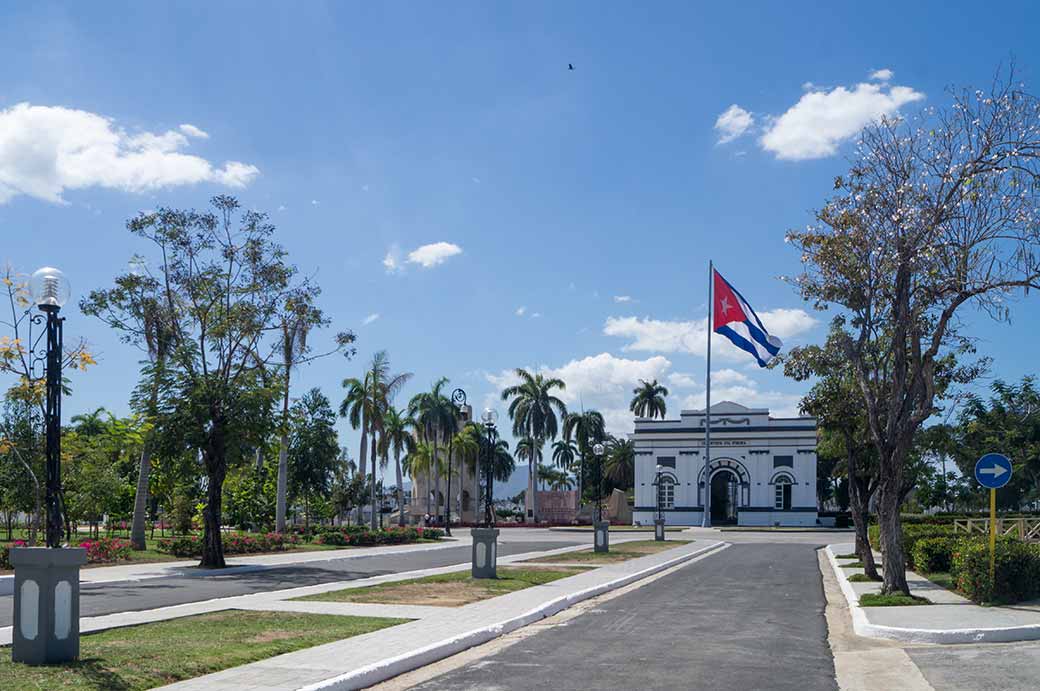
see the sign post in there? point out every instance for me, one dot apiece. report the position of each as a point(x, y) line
point(993, 471)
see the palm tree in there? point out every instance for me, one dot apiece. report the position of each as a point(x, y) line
point(397, 436)
point(465, 445)
point(648, 401)
point(355, 408)
point(382, 387)
point(528, 450)
point(555, 478)
point(435, 417)
point(563, 453)
point(533, 409)
point(585, 428)
point(621, 463)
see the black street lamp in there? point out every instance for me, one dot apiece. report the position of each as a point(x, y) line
point(600, 528)
point(458, 399)
point(659, 520)
point(46, 580)
point(489, 418)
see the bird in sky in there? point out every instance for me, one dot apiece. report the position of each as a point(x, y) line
point(570, 66)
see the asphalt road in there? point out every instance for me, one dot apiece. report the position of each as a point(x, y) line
point(750, 617)
point(126, 596)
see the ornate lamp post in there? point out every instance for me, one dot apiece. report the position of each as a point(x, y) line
point(659, 519)
point(458, 399)
point(485, 538)
point(46, 595)
point(601, 528)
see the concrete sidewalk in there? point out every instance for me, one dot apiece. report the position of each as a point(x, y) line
point(436, 633)
point(951, 619)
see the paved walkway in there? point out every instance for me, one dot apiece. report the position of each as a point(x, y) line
point(749, 617)
point(950, 619)
point(436, 633)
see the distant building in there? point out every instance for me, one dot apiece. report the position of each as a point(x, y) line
point(428, 494)
point(763, 469)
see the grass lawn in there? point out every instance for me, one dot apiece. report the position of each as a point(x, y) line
point(622, 551)
point(862, 578)
point(150, 655)
point(896, 600)
point(448, 589)
point(858, 565)
point(850, 555)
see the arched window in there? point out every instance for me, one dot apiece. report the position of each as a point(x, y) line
point(782, 484)
point(666, 492)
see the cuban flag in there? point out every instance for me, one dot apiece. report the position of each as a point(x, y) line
point(734, 319)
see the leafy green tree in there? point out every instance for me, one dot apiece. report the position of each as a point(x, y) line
point(620, 463)
point(937, 213)
point(585, 429)
point(536, 413)
point(564, 454)
point(313, 448)
point(648, 401)
point(527, 449)
point(435, 418)
point(224, 282)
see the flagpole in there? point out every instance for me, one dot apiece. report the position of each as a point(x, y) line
point(706, 504)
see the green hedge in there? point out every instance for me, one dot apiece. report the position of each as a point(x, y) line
point(363, 537)
point(911, 534)
point(1017, 572)
point(934, 553)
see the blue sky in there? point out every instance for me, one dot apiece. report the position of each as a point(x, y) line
point(584, 204)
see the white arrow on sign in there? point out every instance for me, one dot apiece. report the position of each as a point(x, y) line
point(995, 471)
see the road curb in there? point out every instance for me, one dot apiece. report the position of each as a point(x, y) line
point(862, 625)
point(392, 667)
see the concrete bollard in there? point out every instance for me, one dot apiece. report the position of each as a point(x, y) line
point(485, 553)
point(659, 529)
point(46, 604)
point(602, 530)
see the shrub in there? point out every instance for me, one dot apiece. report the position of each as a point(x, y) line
point(181, 546)
point(105, 550)
point(5, 553)
point(911, 534)
point(934, 553)
point(1016, 574)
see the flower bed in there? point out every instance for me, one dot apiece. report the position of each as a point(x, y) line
point(5, 553)
point(234, 543)
point(106, 550)
point(364, 537)
point(1016, 573)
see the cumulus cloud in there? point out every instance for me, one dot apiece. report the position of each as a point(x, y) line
point(732, 123)
point(46, 150)
point(822, 120)
point(190, 130)
point(370, 318)
point(780, 404)
point(602, 382)
point(681, 380)
point(664, 336)
point(520, 311)
point(882, 75)
point(623, 299)
point(431, 255)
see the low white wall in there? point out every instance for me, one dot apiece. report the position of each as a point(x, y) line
point(784, 518)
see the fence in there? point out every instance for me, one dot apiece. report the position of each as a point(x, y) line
point(1027, 529)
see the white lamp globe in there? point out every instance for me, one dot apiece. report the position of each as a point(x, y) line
point(598, 449)
point(489, 416)
point(48, 287)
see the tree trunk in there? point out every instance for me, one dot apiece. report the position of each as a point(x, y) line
point(362, 463)
point(447, 523)
point(375, 465)
point(859, 504)
point(894, 564)
point(400, 492)
point(216, 470)
point(137, 531)
point(283, 479)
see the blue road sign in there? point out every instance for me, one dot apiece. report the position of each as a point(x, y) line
point(993, 470)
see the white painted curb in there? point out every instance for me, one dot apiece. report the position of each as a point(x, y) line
point(391, 667)
point(863, 627)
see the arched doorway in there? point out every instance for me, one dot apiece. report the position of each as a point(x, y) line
point(724, 492)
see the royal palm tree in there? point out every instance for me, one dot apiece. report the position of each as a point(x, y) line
point(534, 409)
point(621, 462)
point(585, 429)
point(563, 453)
point(417, 463)
point(397, 437)
point(648, 401)
point(529, 450)
point(466, 446)
point(382, 389)
point(555, 478)
point(435, 417)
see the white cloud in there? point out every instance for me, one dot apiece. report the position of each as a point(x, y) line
point(282, 207)
point(433, 254)
point(729, 376)
point(392, 260)
point(732, 123)
point(681, 380)
point(370, 318)
point(520, 311)
point(602, 382)
point(46, 150)
point(536, 315)
point(623, 298)
point(780, 404)
point(315, 202)
point(820, 121)
point(193, 131)
point(882, 75)
point(663, 336)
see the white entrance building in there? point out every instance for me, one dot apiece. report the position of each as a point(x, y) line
point(763, 469)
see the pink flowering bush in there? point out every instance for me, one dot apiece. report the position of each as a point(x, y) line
point(234, 543)
point(5, 553)
point(105, 550)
